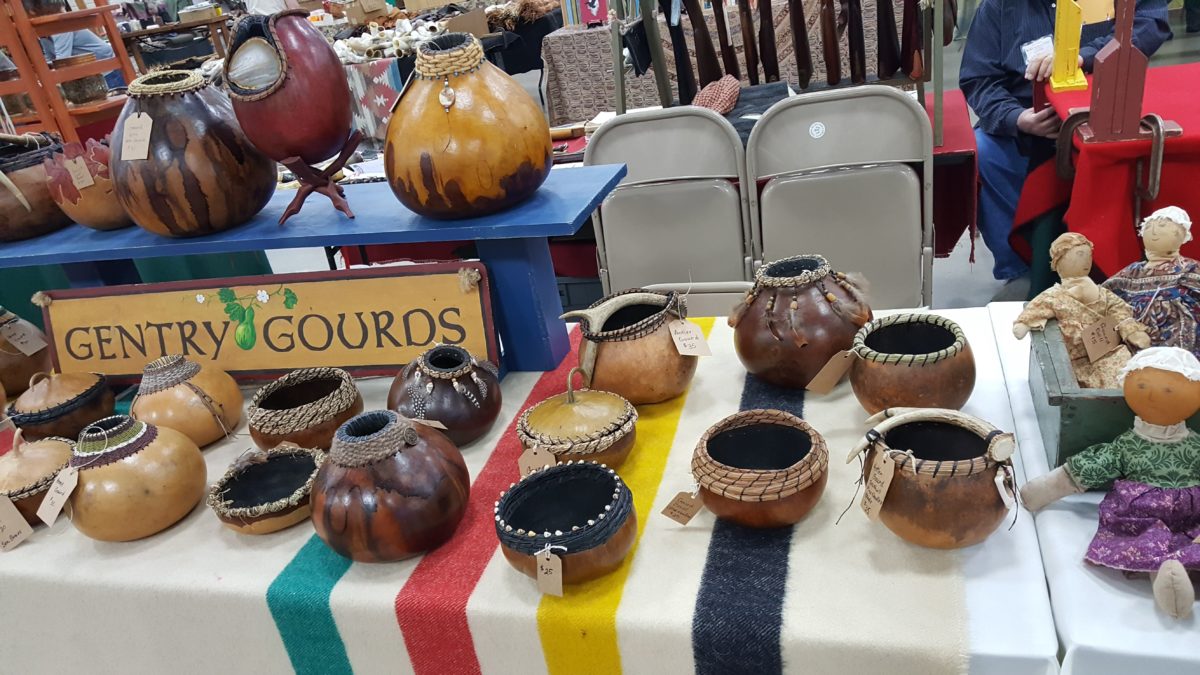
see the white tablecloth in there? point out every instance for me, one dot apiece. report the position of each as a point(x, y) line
point(1107, 623)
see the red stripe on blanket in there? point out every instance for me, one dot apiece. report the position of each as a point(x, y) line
point(432, 607)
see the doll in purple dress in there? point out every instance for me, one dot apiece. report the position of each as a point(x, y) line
point(1150, 518)
point(1164, 290)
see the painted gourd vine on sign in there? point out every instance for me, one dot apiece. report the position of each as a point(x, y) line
point(240, 309)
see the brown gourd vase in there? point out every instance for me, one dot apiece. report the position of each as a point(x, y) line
point(304, 407)
point(582, 511)
point(201, 402)
point(17, 367)
point(912, 361)
point(761, 468)
point(583, 425)
point(201, 175)
point(464, 140)
point(799, 314)
point(449, 385)
point(949, 470)
point(266, 491)
point(61, 405)
point(392, 489)
point(28, 469)
point(26, 208)
point(135, 479)
point(627, 346)
point(96, 205)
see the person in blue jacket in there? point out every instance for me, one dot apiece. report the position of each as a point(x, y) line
point(998, 85)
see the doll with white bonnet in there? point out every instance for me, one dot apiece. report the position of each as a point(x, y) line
point(1076, 303)
point(1150, 518)
point(1164, 290)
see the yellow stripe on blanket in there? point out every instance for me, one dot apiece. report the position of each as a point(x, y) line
point(579, 630)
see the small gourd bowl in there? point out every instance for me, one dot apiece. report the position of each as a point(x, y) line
point(266, 491)
point(304, 407)
point(913, 361)
point(583, 425)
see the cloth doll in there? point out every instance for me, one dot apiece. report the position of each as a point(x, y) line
point(1164, 291)
point(1077, 302)
point(1150, 518)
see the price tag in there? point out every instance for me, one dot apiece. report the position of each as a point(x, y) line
point(1100, 339)
point(683, 507)
point(22, 335)
point(533, 459)
point(878, 480)
point(13, 527)
point(80, 176)
point(832, 372)
point(549, 573)
point(689, 339)
point(1002, 487)
point(433, 424)
point(56, 497)
point(135, 138)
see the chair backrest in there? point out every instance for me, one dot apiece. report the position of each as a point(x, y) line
point(678, 217)
point(848, 174)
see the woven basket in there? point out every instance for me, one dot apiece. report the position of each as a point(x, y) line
point(304, 407)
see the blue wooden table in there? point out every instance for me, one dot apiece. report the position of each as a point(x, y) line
point(512, 244)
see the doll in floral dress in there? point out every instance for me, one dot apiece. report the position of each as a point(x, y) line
point(1164, 290)
point(1076, 303)
point(1150, 518)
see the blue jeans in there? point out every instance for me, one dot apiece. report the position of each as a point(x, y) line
point(62, 45)
point(1002, 171)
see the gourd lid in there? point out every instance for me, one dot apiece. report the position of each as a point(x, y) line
point(577, 421)
point(50, 391)
point(31, 467)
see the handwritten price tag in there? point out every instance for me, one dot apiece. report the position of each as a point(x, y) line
point(549, 574)
point(683, 508)
point(56, 497)
point(832, 372)
point(1100, 339)
point(689, 339)
point(135, 139)
point(533, 459)
point(22, 335)
point(13, 527)
point(80, 176)
point(433, 424)
point(879, 479)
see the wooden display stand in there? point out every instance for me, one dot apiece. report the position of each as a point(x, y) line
point(20, 34)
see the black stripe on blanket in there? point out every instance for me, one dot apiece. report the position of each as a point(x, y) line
point(739, 609)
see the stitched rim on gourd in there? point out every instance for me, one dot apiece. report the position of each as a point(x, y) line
point(44, 415)
point(166, 372)
point(287, 420)
point(448, 55)
point(166, 82)
point(906, 459)
point(225, 508)
point(44, 483)
point(372, 436)
point(111, 439)
point(586, 502)
point(252, 21)
point(759, 485)
point(865, 352)
point(672, 306)
point(598, 441)
point(798, 270)
point(445, 362)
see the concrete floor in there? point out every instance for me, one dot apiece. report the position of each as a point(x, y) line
point(957, 282)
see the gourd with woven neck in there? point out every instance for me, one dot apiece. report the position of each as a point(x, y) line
point(26, 206)
point(465, 139)
point(135, 479)
point(392, 489)
point(627, 347)
point(201, 174)
point(447, 384)
point(281, 67)
point(1152, 474)
point(798, 315)
point(952, 476)
point(200, 401)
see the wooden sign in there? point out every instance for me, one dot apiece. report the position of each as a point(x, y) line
point(369, 321)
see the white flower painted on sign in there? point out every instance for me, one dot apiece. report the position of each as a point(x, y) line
point(262, 296)
point(200, 298)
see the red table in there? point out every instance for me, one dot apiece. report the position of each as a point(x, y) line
point(1100, 201)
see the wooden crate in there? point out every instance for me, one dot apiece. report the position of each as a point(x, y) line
point(1071, 417)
